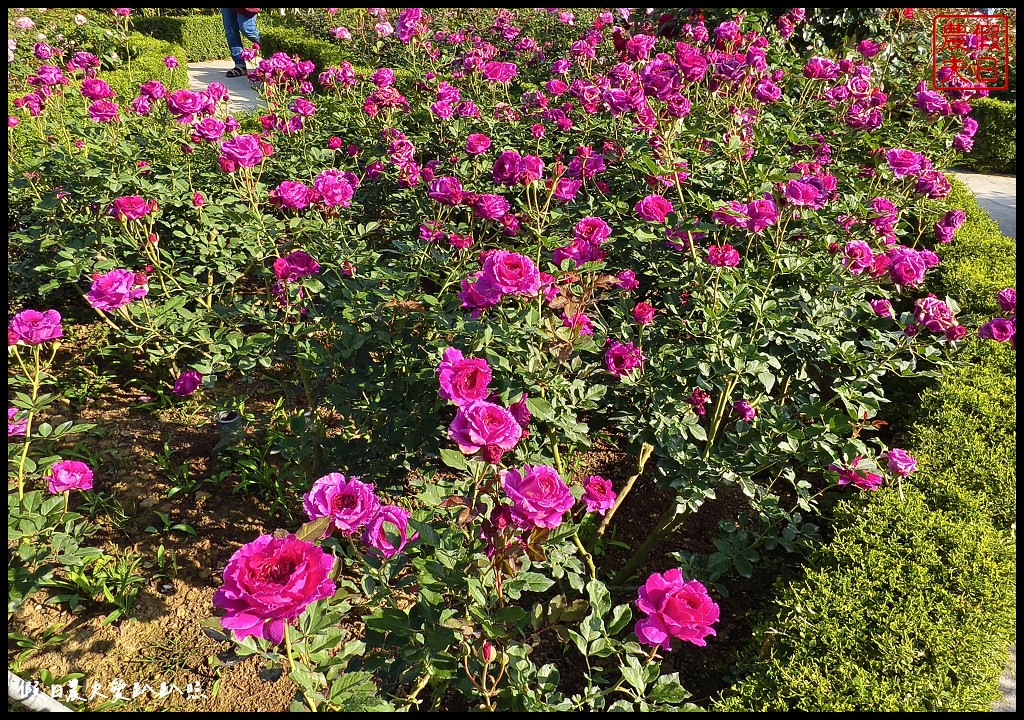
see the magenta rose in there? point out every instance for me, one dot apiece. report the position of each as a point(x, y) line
point(801, 194)
point(95, 89)
point(906, 266)
point(348, 502)
point(115, 289)
point(243, 151)
point(598, 494)
point(882, 307)
point(187, 383)
point(103, 111)
point(506, 167)
point(70, 475)
point(290, 195)
point(654, 208)
point(857, 256)
point(375, 534)
point(16, 427)
point(865, 480)
point(477, 143)
point(295, 266)
point(592, 230)
point(446, 190)
point(509, 273)
point(271, 581)
point(132, 207)
point(499, 72)
point(622, 358)
point(900, 462)
point(643, 313)
point(723, 255)
point(490, 207)
point(819, 68)
point(998, 329)
point(539, 496)
point(762, 214)
point(34, 327)
point(529, 169)
point(462, 380)
point(933, 314)
point(1007, 299)
point(676, 609)
point(745, 410)
point(480, 425)
point(182, 103)
point(904, 162)
point(332, 188)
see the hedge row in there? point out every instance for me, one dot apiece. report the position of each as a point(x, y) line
point(148, 63)
point(995, 145)
point(912, 605)
point(201, 36)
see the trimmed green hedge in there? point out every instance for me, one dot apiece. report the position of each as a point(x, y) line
point(912, 605)
point(202, 36)
point(296, 42)
point(147, 64)
point(995, 144)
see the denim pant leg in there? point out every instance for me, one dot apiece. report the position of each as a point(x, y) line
point(231, 21)
point(248, 28)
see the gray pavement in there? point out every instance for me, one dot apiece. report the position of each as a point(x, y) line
point(998, 195)
point(242, 98)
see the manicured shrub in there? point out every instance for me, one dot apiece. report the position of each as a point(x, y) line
point(202, 36)
point(995, 145)
point(907, 609)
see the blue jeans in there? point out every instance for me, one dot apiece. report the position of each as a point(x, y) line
point(236, 25)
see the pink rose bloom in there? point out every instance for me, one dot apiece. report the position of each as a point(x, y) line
point(499, 72)
point(592, 230)
point(643, 313)
point(477, 143)
point(906, 266)
point(70, 475)
point(675, 608)
point(882, 307)
point(521, 413)
point(16, 427)
point(290, 195)
point(34, 327)
point(244, 150)
point(185, 103)
point(622, 358)
point(509, 273)
point(480, 425)
point(103, 111)
point(187, 383)
point(900, 462)
point(445, 190)
point(745, 410)
point(578, 321)
point(654, 208)
point(348, 502)
point(1007, 299)
point(271, 581)
point(115, 289)
point(851, 476)
point(733, 213)
point(762, 214)
point(904, 162)
point(627, 280)
point(801, 194)
point(383, 29)
point(723, 256)
point(505, 170)
point(95, 89)
point(598, 495)
point(539, 496)
point(375, 535)
point(490, 207)
point(333, 188)
point(1000, 330)
point(462, 380)
point(857, 256)
point(933, 314)
point(132, 207)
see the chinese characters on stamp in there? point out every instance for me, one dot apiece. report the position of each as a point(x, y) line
point(970, 52)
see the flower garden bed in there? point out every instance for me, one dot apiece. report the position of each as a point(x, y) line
point(573, 354)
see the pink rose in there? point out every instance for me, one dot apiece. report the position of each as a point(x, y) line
point(271, 581)
point(622, 358)
point(900, 462)
point(509, 273)
point(244, 150)
point(480, 425)
point(654, 208)
point(70, 475)
point(723, 255)
point(187, 383)
point(462, 380)
point(477, 143)
point(643, 313)
point(132, 207)
point(376, 536)
point(675, 608)
point(348, 502)
point(539, 496)
point(115, 289)
point(34, 327)
point(290, 195)
point(598, 495)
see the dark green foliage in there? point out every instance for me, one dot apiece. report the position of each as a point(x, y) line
point(202, 36)
point(908, 609)
point(995, 145)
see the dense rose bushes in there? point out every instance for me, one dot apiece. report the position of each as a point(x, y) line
point(537, 227)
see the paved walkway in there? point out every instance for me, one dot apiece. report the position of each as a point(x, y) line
point(998, 195)
point(242, 97)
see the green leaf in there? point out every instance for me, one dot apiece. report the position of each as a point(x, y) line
point(313, 530)
point(454, 459)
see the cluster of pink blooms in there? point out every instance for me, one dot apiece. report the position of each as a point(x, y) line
point(504, 273)
point(243, 151)
point(909, 164)
point(332, 188)
point(117, 288)
point(898, 461)
point(589, 234)
point(1003, 329)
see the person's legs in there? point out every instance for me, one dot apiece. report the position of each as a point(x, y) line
point(248, 28)
point(231, 22)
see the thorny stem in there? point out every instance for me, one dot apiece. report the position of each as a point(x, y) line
point(645, 453)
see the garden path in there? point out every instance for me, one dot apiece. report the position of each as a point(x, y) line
point(243, 97)
point(998, 195)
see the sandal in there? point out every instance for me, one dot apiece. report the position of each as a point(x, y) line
point(236, 72)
